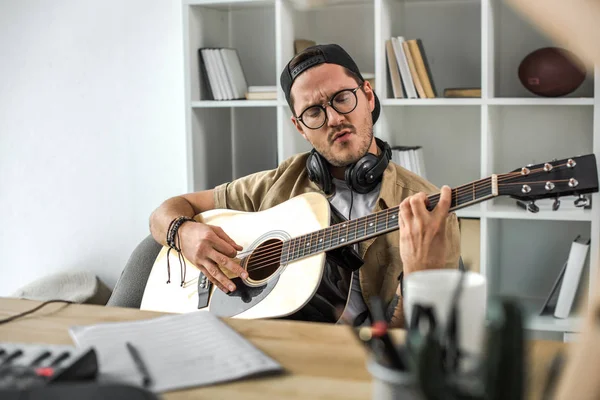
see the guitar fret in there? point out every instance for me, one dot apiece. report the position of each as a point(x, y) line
point(347, 227)
point(301, 247)
point(293, 245)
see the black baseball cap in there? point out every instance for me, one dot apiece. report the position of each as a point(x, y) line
point(324, 53)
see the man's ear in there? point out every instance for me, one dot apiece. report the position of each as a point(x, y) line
point(299, 127)
point(368, 90)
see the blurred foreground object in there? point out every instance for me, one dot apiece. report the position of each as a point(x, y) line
point(574, 25)
point(571, 24)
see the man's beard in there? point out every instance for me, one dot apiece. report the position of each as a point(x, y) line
point(343, 160)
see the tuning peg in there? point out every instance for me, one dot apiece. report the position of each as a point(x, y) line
point(582, 201)
point(556, 204)
point(532, 207)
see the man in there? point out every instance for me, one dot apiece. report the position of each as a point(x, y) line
point(334, 109)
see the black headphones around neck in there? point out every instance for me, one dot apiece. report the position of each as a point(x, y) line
point(362, 176)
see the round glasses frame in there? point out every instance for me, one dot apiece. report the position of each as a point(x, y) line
point(330, 103)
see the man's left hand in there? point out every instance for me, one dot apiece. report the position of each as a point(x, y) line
point(423, 232)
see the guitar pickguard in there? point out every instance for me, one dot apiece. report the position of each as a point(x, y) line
point(240, 300)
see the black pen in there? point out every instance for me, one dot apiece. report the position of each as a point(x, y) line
point(147, 380)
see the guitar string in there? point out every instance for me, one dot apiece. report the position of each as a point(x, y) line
point(260, 257)
point(461, 193)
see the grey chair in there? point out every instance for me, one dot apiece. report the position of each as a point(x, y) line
point(129, 289)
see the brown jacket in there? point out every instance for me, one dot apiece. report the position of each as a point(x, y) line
point(382, 263)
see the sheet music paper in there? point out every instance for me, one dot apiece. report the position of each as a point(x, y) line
point(180, 351)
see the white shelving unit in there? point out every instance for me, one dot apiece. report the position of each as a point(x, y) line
point(469, 43)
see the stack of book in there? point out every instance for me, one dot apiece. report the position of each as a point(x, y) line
point(221, 74)
point(409, 70)
point(411, 158)
point(261, 93)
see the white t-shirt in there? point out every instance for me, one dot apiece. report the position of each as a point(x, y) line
point(362, 205)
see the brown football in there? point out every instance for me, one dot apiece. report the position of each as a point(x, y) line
point(551, 72)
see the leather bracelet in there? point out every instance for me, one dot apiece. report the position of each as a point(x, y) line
point(173, 228)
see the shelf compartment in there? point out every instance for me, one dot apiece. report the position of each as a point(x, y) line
point(456, 130)
point(451, 36)
point(522, 135)
point(239, 25)
point(343, 24)
point(229, 143)
point(514, 38)
point(524, 259)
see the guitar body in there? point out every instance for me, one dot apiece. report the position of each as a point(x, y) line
point(273, 290)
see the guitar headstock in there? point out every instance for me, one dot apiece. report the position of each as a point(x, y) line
point(570, 176)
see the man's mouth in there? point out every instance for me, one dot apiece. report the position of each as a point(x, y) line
point(341, 135)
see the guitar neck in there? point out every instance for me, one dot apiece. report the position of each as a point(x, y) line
point(379, 223)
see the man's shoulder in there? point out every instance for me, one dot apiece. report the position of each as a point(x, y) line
point(296, 161)
point(412, 182)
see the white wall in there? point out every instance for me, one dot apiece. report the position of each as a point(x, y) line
point(91, 131)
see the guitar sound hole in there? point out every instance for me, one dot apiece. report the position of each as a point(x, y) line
point(264, 260)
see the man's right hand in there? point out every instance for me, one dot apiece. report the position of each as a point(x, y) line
point(207, 246)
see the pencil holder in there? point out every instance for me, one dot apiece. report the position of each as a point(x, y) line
point(388, 384)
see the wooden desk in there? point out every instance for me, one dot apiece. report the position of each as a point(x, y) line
point(321, 360)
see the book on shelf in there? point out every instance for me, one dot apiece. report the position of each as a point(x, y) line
point(261, 93)
point(302, 44)
point(221, 74)
point(408, 68)
point(411, 158)
point(571, 277)
point(462, 92)
point(561, 298)
point(470, 243)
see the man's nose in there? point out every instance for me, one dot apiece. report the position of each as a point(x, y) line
point(334, 118)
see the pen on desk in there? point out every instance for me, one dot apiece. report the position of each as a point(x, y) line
point(147, 380)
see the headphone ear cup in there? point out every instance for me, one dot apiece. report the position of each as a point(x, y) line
point(318, 171)
point(358, 177)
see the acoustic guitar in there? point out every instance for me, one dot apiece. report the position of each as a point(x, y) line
point(299, 257)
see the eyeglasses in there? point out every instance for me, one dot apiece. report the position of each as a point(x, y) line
point(344, 102)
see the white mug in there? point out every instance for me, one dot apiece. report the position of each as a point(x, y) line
point(436, 288)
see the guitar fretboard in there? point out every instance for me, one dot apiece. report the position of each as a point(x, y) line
point(359, 229)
